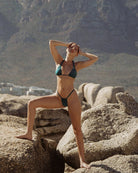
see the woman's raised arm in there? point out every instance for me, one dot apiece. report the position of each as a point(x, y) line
point(52, 44)
point(83, 64)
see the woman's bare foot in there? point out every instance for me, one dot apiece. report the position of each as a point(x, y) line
point(85, 165)
point(25, 136)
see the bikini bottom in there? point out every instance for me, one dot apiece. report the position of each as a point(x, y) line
point(65, 100)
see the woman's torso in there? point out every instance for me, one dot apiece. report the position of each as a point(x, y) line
point(66, 77)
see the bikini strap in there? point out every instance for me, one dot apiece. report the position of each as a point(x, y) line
point(70, 94)
point(73, 64)
point(62, 62)
point(67, 96)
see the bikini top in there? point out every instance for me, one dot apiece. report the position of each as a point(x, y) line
point(72, 74)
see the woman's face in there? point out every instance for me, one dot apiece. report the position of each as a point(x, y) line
point(73, 49)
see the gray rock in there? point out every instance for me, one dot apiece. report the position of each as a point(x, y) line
point(107, 131)
point(14, 105)
point(52, 123)
point(81, 87)
point(85, 106)
point(81, 91)
point(68, 169)
point(107, 95)
point(20, 156)
point(127, 103)
point(114, 164)
point(94, 95)
point(90, 92)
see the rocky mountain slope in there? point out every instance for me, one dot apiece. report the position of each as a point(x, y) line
point(107, 28)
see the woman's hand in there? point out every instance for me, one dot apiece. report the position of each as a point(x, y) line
point(80, 52)
point(70, 43)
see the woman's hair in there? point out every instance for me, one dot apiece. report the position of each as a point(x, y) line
point(76, 44)
point(78, 48)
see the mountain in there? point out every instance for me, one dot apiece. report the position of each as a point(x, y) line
point(111, 25)
point(105, 27)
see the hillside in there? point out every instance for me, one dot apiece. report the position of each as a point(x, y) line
point(107, 28)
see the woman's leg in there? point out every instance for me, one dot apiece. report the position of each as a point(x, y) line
point(74, 107)
point(51, 101)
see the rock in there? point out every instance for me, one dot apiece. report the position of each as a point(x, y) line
point(107, 95)
point(52, 123)
point(18, 155)
point(80, 95)
point(90, 92)
point(114, 164)
point(94, 94)
point(81, 87)
point(14, 105)
point(107, 131)
point(85, 106)
point(122, 143)
point(68, 169)
point(80, 92)
point(127, 103)
point(13, 121)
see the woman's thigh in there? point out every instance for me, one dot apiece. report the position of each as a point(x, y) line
point(74, 107)
point(50, 101)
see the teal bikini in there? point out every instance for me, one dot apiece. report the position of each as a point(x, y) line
point(72, 74)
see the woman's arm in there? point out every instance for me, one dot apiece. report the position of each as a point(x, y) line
point(52, 44)
point(83, 64)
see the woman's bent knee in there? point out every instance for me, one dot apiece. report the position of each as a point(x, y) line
point(32, 104)
point(45, 102)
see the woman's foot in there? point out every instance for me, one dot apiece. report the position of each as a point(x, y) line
point(25, 136)
point(84, 165)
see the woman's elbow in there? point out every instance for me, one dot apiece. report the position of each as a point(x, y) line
point(50, 42)
point(96, 58)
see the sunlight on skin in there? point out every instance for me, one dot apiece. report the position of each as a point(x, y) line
point(65, 84)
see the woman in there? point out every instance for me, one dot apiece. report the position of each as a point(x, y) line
point(66, 71)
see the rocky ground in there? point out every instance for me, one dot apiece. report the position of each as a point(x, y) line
point(109, 125)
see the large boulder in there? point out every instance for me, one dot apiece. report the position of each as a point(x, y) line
point(81, 91)
point(94, 94)
point(52, 123)
point(18, 155)
point(107, 131)
point(127, 103)
point(68, 169)
point(107, 95)
point(114, 164)
point(90, 92)
point(14, 105)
